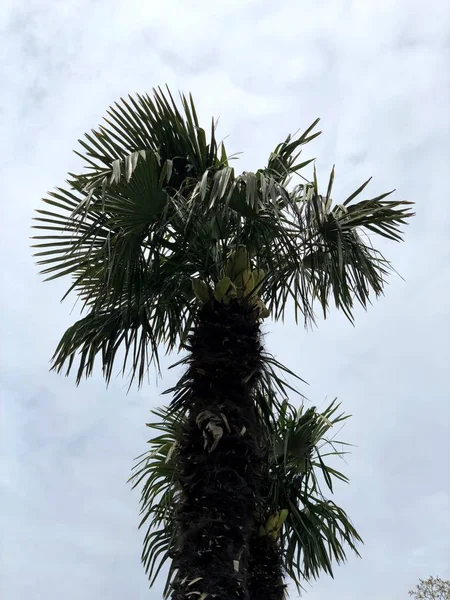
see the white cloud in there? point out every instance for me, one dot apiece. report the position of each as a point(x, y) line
point(377, 74)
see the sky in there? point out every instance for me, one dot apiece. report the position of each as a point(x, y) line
point(377, 73)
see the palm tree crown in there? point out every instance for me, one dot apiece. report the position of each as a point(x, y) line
point(159, 205)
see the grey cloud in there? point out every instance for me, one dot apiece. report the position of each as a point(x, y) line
point(377, 74)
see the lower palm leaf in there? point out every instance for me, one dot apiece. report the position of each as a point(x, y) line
point(296, 531)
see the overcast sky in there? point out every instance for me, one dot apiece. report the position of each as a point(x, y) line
point(377, 73)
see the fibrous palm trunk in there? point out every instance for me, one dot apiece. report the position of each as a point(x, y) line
point(265, 572)
point(219, 456)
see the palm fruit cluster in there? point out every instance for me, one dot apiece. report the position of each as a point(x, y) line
point(274, 523)
point(239, 281)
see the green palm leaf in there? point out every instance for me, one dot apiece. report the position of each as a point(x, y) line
point(156, 470)
point(316, 530)
point(158, 205)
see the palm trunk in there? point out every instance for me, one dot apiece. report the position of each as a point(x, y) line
point(219, 457)
point(265, 579)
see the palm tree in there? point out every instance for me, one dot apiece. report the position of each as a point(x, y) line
point(297, 531)
point(165, 244)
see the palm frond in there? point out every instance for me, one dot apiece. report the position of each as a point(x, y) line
point(157, 124)
point(338, 262)
point(103, 333)
point(316, 532)
point(282, 163)
point(158, 204)
point(156, 470)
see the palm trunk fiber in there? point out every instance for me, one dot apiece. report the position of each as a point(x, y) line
point(219, 457)
point(265, 579)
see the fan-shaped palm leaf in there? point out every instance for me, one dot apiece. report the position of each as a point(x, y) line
point(159, 205)
point(316, 530)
